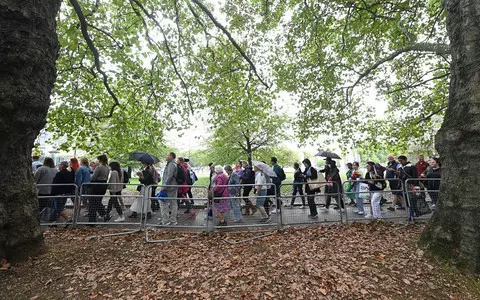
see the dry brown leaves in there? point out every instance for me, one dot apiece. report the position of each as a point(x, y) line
point(360, 261)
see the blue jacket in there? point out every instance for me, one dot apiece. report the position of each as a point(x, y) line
point(82, 176)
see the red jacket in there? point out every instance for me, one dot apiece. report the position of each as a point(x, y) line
point(421, 167)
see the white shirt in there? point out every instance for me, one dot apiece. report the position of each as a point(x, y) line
point(260, 180)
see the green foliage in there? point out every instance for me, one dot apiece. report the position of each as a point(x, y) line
point(164, 60)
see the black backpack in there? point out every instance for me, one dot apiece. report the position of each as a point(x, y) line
point(126, 178)
point(189, 177)
point(180, 177)
point(282, 175)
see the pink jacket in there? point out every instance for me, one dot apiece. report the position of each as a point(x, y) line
point(221, 179)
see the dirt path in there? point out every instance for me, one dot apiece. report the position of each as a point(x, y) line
point(360, 261)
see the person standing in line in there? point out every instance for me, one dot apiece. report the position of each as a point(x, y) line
point(421, 165)
point(310, 173)
point(357, 175)
point(36, 163)
point(65, 175)
point(169, 187)
point(221, 196)
point(146, 179)
point(334, 186)
point(45, 175)
point(82, 175)
point(234, 193)
point(261, 191)
point(375, 188)
point(248, 177)
point(115, 187)
point(74, 164)
point(298, 180)
point(100, 177)
point(434, 185)
point(350, 187)
point(394, 183)
point(277, 181)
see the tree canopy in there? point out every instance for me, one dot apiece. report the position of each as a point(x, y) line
point(129, 70)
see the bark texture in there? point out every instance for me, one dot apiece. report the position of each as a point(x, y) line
point(454, 231)
point(28, 51)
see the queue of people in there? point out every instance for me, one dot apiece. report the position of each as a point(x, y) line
point(229, 186)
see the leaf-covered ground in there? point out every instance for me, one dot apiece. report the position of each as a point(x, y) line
point(359, 261)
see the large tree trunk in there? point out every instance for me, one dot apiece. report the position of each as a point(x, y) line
point(28, 51)
point(454, 231)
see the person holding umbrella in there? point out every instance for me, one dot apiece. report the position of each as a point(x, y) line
point(261, 188)
point(146, 177)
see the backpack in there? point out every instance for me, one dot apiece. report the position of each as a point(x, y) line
point(189, 177)
point(126, 178)
point(180, 177)
point(282, 175)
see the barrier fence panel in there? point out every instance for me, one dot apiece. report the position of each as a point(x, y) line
point(185, 209)
point(97, 207)
point(245, 207)
point(382, 203)
point(422, 194)
point(57, 203)
point(306, 203)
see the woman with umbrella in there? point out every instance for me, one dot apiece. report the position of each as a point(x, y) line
point(262, 171)
point(146, 178)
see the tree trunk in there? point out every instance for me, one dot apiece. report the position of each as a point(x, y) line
point(454, 231)
point(28, 51)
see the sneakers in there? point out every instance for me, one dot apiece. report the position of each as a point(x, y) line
point(368, 216)
point(107, 218)
point(120, 219)
point(274, 211)
point(342, 210)
point(360, 212)
point(391, 208)
point(313, 216)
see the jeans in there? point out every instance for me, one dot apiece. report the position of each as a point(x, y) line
point(358, 199)
point(235, 207)
point(261, 201)
point(95, 203)
point(297, 188)
point(311, 200)
point(113, 202)
point(376, 197)
point(169, 206)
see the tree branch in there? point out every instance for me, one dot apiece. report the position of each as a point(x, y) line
point(231, 39)
point(169, 51)
point(419, 47)
point(411, 86)
point(107, 34)
point(96, 56)
point(431, 115)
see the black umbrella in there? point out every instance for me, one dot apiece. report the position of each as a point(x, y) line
point(327, 154)
point(144, 157)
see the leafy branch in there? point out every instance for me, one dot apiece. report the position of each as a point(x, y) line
point(169, 50)
point(96, 56)
point(439, 49)
point(231, 39)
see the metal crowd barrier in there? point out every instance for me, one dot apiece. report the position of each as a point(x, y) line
point(419, 197)
point(387, 207)
point(97, 202)
point(196, 219)
point(302, 215)
point(255, 220)
point(203, 218)
point(50, 204)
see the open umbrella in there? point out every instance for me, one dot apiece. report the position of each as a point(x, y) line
point(327, 154)
point(144, 157)
point(267, 170)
